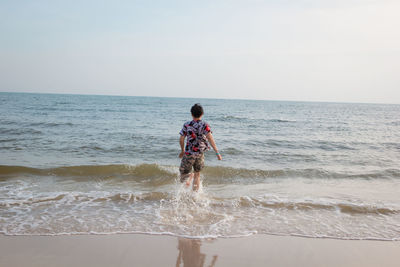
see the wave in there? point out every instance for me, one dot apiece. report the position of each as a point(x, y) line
point(20, 131)
point(231, 151)
point(212, 173)
point(50, 124)
point(229, 172)
point(394, 123)
point(348, 208)
point(280, 120)
point(142, 170)
point(73, 196)
point(8, 122)
point(304, 145)
point(244, 202)
point(247, 119)
point(8, 140)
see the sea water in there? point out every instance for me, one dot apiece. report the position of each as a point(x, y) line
point(79, 164)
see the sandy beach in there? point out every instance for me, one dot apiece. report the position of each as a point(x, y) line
point(148, 250)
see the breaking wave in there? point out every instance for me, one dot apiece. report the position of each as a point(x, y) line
point(145, 171)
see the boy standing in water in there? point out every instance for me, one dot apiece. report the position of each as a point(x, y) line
point(197, 132)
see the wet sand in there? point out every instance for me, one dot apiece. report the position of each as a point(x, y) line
point(151, 250)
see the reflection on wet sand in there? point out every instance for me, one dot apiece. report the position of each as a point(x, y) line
point(190, 255)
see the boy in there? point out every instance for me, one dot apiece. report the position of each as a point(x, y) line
point(197, 132)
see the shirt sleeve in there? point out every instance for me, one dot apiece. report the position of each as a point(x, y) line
point(207, 129)
point(183, 132)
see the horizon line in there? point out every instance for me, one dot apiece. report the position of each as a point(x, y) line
point(217, 98)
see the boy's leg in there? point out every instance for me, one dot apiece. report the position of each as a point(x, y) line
point(196, 181)
point(189, 180)
point(186, 168)
point(197, 166)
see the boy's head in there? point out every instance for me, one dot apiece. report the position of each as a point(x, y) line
point(197, 111)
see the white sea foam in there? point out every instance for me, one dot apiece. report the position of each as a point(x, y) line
point(27, 208)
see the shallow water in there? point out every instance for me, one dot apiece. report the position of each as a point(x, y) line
point(73, 164)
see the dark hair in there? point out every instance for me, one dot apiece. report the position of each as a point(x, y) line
point(197, 110)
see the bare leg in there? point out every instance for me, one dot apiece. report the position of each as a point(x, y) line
point(196, 182)
point(189, 180)
point(185, 177)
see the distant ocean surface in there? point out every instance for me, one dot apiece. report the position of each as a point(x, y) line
point(79, 164)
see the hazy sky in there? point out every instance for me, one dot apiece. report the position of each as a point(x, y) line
point(317, 50)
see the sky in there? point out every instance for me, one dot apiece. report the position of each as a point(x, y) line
point(304, 50)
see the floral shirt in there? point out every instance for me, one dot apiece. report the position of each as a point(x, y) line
point(195, 132)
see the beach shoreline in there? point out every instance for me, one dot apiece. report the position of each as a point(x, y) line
point(162, 250)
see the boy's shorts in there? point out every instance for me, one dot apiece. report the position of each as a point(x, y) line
point(189, 161)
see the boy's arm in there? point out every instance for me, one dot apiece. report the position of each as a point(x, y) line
point(182, 144)
point(214, 146)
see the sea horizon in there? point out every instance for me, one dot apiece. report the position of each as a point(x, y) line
point(206, 98)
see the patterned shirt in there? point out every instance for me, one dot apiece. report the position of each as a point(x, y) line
point(195, 132)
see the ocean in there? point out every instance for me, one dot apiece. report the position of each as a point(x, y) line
point(90, 164)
